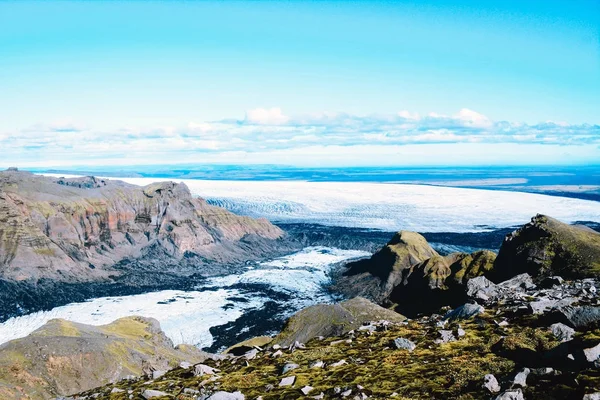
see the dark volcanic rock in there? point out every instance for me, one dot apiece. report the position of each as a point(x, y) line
point(546, 247)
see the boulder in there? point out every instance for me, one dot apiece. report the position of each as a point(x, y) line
point(562, 332)
point(491, 383)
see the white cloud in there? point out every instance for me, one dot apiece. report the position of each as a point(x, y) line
point(473, 118)
point(266, 116)
point(268, 136)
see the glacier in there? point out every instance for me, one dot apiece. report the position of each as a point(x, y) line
point(187, 316)
point(386, 206)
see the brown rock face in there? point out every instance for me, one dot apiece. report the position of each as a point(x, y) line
point(62, 357)
point(74, 230)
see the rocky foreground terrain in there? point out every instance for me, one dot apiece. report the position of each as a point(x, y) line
point(507, 331)
point(64, 240)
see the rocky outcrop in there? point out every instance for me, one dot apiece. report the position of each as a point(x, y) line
point(546, 247)
point(377, 276)
point(409, 273)
point(62, 357)
point(328, 320)
point(56, 232)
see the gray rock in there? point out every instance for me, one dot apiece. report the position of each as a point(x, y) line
point(465, 311)
point(201, 370)
point(251, 354)
point(278, 353)
point(592, 396)
point(117, 390)
point(150, 394)
point(227, 396)
point(513, 394)
point(520, 282)
point(317, 364)
point(404, 344)
point(562, 332)
point(158, 374)
point(491, 383)
point(289, 367)
point(580, 318)
point(288, 381)
point(521, 378)
point(306, 390)
point(338, 364)
point(592, 353)
point(482, 288)
point(445, 336)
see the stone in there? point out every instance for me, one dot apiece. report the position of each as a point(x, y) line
point(157, 374)
point(466, 311)
point(592, 396)
point(521, 378)
point(117, 390)
point(288, 381)
point(562, 332)
point(481, 288)
point(346, 393)
point(306, 390)
point(201, 370)
point(445, 337)
point(338, 364)
point(512, 394)
point(461, 332)
point(278, 353)
point(150, 394)
point(289, 367)
point(491, 383)
point(520, 282)
point(317, 364)
point(227, 396)
point(592, 353)
point(581, 317)
point(404, 344)
point(185, 365)
point(251, 355)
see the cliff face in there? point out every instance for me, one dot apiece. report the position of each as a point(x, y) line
point(64, 357)
point(77, 229)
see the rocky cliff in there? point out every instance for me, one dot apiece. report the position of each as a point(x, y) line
point(63, 357)
point(91, 230)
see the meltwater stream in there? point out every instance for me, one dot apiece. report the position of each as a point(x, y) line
point(187, 316)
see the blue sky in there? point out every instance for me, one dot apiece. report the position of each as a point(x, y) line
point(307, 83)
